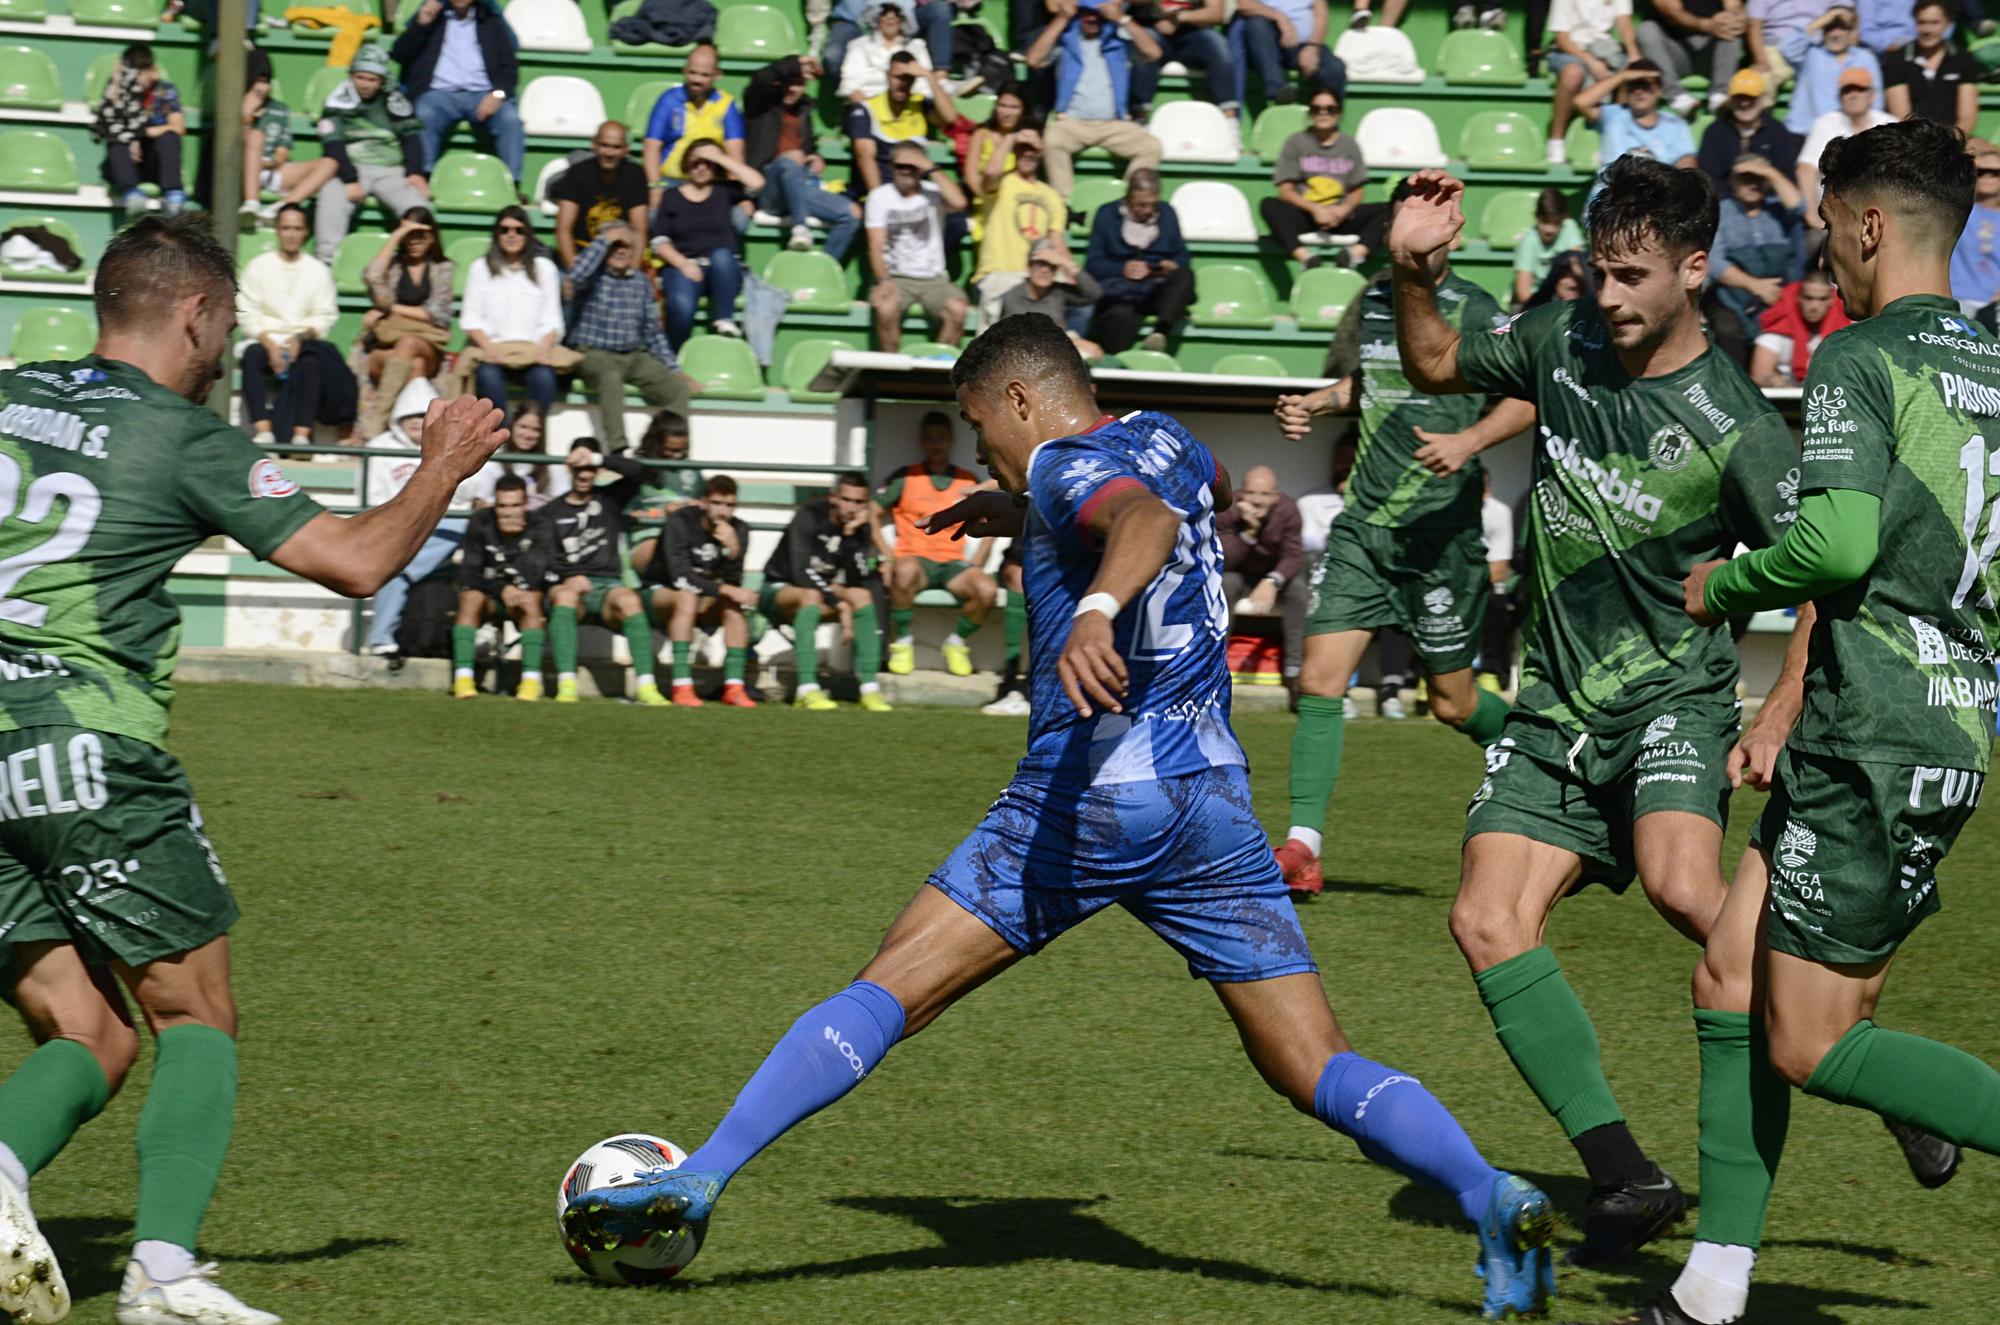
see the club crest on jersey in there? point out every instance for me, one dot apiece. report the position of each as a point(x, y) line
point(1931, 646)
point(267, 479)
point(1796, 844)
point(1671, 448)
point(1438, 601)
point(1659, 729)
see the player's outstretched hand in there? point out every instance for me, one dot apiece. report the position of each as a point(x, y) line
point(461, 435)
point(1294, 415)
point(1090, 668)
point(1429, 219)
point(988, 513)
point(1445, 453)
point(1693, 594)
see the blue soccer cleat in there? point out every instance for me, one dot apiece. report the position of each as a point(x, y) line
point(659, 1201)
point(1514, 1237)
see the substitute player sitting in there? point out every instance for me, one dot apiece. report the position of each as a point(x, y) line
point(696, 579)
point(821, 565)
point(925, 560)
point(588, 522)
point(504, 567)
point(1133, 792)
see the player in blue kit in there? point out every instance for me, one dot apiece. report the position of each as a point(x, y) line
point(1134, 791)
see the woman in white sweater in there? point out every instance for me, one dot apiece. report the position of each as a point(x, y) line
point(864, 70)
point(285, 305)
point(514, 295)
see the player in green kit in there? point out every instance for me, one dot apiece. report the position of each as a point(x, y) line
point(111, 471)
point(1406, 551)
point(1894, 700)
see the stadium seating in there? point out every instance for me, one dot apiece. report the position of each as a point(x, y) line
point(55, 332)
point(1195, 131)
point(546, 180)
point(319, 87)
point(54, 226)
point(250, 243)
point(1475, 57)
point(28, 80)
point(462, 253)
point(978, 107)
point(1249, 365)
point(928, 349)
point(115, 13)
point(1580, 146)
point(1507, 216)
point(1092, 192)
point(755, 32)
point(1399, 138)
point(724, 366)
point(1229, 294)
point(1147, 361)
point(816, 282)
point(1502, 140)
point(96, 77)
point(639, 106)
point(1274, 125)
point(471, 182)
point(802, 365)
point(549, 25)
point(1322, 294)
point(314, 32)
point(36, 161)
point(1212, 211)
point(355, 253)
point(23, 11)
point(556, 106)
point(1384, 54)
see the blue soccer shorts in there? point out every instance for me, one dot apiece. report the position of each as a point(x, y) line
point(1186, 855)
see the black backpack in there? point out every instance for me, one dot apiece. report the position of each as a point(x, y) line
point(425, 630)
point(975, 52)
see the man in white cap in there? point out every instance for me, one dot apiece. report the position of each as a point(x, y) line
point(373, 132)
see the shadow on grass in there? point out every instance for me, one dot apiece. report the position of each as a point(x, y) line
point(93, 1250)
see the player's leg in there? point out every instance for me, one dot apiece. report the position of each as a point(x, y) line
point(677, 609)
point(1458, 700)
point(975, 591)
point(803, 607)
point(626, 613)
point(565, 603)
point(905, 580)
point(860, 603)
point(473, 605)
point(1012, 699)
point(1329, 663)
point(1443, 589)
point(1679, 854)
point(735, 627)
point(524, 608)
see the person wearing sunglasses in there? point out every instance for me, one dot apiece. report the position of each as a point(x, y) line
point(906, 248)
point(1626, 110)
point(1320, 176)
point(513, 314)
point(1817, 90)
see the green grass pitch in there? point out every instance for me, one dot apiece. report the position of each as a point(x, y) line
point(479, 936)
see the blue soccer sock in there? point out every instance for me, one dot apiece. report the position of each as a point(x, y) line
point(824, 1055)
point(1397, 1122)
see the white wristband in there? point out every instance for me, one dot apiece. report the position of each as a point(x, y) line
point(1097, 602)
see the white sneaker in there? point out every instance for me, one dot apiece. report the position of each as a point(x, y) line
point(1347, 709)
point(193, 1299)
point(763, 218)
point(726, 327)
point(1391, 707)
point(801, 240)
point(31, 1283)
point(265, 437)
point(1558, 151)
point(1013, 704)
point(1686, 104)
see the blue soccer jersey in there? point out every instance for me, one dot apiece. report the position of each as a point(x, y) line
point(1172, 636)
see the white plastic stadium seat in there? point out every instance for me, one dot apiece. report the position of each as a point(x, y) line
point(1195, 131)
point(548, 176)
point(1398, 138)
point(558, 106)
point(1215, 212)
point(1378, 55)
point(549, 25)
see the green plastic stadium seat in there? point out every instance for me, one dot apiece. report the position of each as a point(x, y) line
point(462, 253)
point(36, 161)
point(1092, 192)
point(620, 10)
point(816, 281)
point(472, 182)
point(54, 226)
point(59, 332)
point(1507, 216)
point(755, 32)
point(23, 11)
point(1475, 57)
point(802, 365)
point(115, 13)
point(639, 106)
point(1274, 125)
point(28, 80)
point(96, 77)
point(368, 8)
point(977, 108)
point(1229, 294)
point(725, 367)
point(1249, 365)
point(1147, 361)
point(1503, 140)
point(250, 243)
point(355, 253)
point(319, 87)
point(1321, 294)
point(1580, 146)
point(928, 349)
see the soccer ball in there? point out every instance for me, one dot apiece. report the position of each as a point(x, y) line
point(614, 1162)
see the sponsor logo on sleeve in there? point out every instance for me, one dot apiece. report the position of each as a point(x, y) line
point(268, 479)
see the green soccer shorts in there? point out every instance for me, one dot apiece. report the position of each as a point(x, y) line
point(1584, 792)
point(591, 609)
point(1854, 850)
point(101, 846)
point(1430, 583)
point(940, 574)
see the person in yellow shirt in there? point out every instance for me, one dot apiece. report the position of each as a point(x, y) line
point(1024, 208)
point(686, 114)
point(916, 101)
point(924, 560)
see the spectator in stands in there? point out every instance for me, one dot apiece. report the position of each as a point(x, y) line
point(1263, 559)
point(1142, 267)
point(1024, 211)
point(267, 147)
point(1272, 36)
point(1856, 113)
point(1190, 32)
point(1790, 330)
point(1594, 40)
point(695, 110)
point(459, 67)
point(696, 579)
point(1817, 87)
point(503, 570)
point(617, 330)
point(779, 141)
point(1093, 44)
point(906, 249)
point(1975, 261)
point(1635, 121)
point(1568, 280)
point(588, 527)
point(850, 17)
point(1780, 33)
point(1759, 245)
point(1746, 126)
point(385, 478)
point(1686, 37)
point(285, 305)
point(1554, 231)
point(694, 234)
point(1887, 24)
point(409, 283)
point(990, 156)
point(1392, 14)
point(512, 314)
point(1058, 291)
point(821, 565)
point(373, 135)
point(609, 188)
point(904, 113)
point(1929, 77)
point(1320, 174)
point(919, 559)
point(864, 67)
point(664, 491)
point(140, 122)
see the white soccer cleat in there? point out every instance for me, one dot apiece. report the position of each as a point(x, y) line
point(1013, 704)
point(31, 1283)
point(193, 1299)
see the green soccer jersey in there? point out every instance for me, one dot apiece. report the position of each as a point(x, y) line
point(1387, 487)
point(1634, 481)
point(275, 121)
point(1906, 405)
point(106, 480)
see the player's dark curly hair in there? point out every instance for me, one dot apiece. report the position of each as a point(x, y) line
point(154, 263)
point(1918, 166)
point(1027, 347)
point(1644, 199)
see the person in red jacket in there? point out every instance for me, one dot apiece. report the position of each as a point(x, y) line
point(1791, 329)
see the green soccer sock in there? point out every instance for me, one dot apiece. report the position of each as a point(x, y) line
point(1945, 1091)
point(532, 642)
point(562, 638)
point(805, 646)
point(683, 675)
point(1545, 1030)
point(1014, 623)
point(1745, 1109)
point(184, 1132)
point(1316, 742)
point(639, 636)
point(464, 647)
point(900, 620)
point(867, 644)
point(58, 1089)
point(1486, 720)
point(966, 627)
point(732, 665)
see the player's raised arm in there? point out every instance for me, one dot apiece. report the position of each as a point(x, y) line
point(1138, 532)
point(1426, 226)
